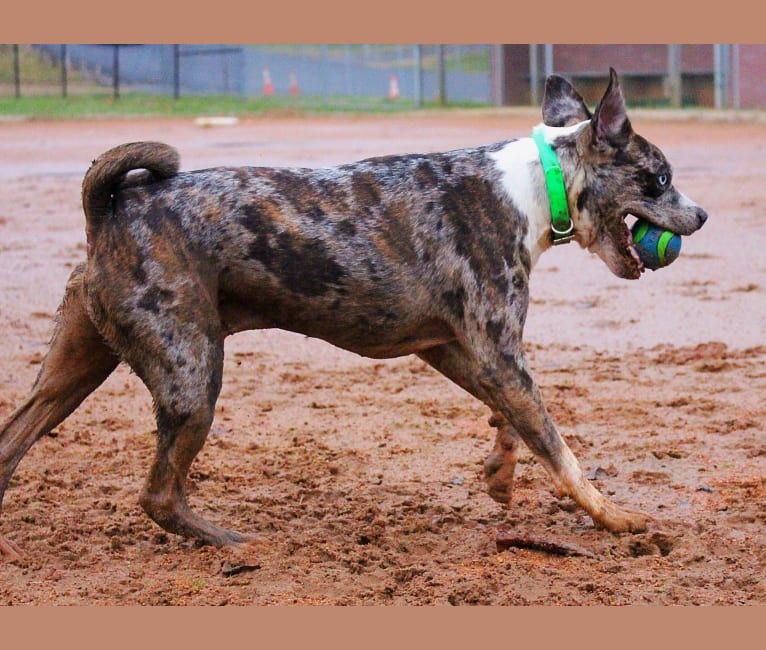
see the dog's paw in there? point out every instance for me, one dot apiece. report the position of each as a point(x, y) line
point(617, 520)
point(500, 492)
point(499, 477)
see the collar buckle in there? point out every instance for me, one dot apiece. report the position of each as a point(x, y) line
point(562, 236)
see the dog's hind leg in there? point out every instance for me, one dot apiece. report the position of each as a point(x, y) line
point(451, 360)
point(77, 362)
point(175, 345)
point(500, 465)
point(183, 423)
point(184, 400)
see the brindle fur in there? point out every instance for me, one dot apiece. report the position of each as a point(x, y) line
point(389, 256)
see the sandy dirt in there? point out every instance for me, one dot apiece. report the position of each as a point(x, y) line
point(363, 478)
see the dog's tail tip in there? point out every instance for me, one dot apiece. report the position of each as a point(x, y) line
point(109, 170)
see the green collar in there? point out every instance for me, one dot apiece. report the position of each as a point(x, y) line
point(562, 227)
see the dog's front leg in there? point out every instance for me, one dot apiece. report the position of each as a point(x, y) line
point(503, 375)
point(501, 380)
point(452, 361)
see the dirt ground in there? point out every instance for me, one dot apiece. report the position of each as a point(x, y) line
point(364, 478)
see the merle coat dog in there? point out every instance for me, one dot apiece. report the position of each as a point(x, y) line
point(409, 254)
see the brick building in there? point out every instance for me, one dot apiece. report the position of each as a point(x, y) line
point(727, 76)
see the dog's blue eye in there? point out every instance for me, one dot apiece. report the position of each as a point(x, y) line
point(662, 179)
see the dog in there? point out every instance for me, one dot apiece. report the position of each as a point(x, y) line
point(404, 254)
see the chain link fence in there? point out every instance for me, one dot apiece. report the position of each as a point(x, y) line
point(380, 76)
point(363, 75)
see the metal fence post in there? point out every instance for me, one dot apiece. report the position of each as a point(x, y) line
point(735, 89)
point(720, 75)
point(116, 71)
point(675, 93)
point(63, 71)
point(442, 78)
point(176, 71)
point(323, 49)
point(16, 71)
point(418, 75)
point(497, 75)
point(726, 52)
point(534, 75)
point(548, 54)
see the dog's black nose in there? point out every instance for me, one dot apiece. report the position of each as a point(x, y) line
point(701, 216)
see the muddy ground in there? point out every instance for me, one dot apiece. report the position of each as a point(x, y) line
point(363, 478)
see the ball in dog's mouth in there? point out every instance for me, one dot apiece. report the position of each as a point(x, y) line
point(655, 246)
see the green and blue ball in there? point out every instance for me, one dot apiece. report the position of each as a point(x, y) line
point(655, 246)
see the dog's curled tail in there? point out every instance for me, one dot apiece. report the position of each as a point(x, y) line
point(108, 172)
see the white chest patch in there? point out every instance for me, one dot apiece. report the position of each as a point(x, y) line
point(516, 163)
point(520, 176)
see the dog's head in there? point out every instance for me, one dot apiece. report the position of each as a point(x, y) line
point(619, 174)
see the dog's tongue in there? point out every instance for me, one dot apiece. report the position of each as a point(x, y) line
point(634, 255)
point(633, 251)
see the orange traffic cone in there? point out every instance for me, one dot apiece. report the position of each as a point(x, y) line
point(393, 87)
point(268, 87)
point(294, 90)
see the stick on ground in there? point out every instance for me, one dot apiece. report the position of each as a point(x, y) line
point(505, 541)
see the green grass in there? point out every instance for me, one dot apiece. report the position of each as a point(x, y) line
point(144, 105)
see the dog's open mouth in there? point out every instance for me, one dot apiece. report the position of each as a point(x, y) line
point(630, 249)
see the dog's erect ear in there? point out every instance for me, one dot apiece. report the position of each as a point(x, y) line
point(562, 104)
point(610, 121)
